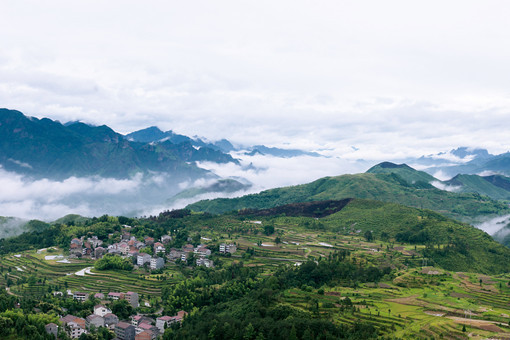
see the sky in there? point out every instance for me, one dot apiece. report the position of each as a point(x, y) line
point(356, 79)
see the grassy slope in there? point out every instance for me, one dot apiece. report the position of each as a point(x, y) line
point(470, 248)
point(382, 187)
point(403, 170)
point(475, 183)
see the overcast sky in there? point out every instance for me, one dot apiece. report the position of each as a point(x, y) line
point(392, 78)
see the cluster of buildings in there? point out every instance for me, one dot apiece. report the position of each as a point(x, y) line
point(131, 297)
point(128, 246)
point(201, 252)
point(84, 247)
point(139, 328)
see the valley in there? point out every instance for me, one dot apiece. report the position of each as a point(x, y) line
point(361, 269)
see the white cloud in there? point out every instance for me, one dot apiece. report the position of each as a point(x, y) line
point(442, 186)
point(373, 75)
point(89, 196)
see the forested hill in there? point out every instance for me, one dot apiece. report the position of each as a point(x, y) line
point(382, 187)
point(47, 148)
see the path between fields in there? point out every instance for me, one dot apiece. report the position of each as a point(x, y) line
point(84, 271)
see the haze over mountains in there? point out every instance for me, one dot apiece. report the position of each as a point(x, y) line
point(50, 169)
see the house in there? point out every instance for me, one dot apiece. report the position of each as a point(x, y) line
point(99, 252)
point(188, 248)
point(101, 310)
point(51, 328)
point(159, 248)
point(145, 335)
point(75, 326)
point(166, 239)
point(99, 296)
point(132, 298)
point(149, 241)
point(174, 254)
point(202, 250)
point(125, 331)
point(123, 247)
point(167, 320)
point(76, 249)
point(202, 261)
point(94, 320)
point(80, 296)
point(228, 248)
point(162, 321)
point(75, 330)
point(87, 249)
point(142, 259)
point(157, 263)
point(138, 319)
point(110, 320)
point(146, 327)
point(76, 241)
point(94, 241)
point(115, 296)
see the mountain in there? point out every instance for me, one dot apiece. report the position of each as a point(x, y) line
point(482, 185)
point(154, 135)
point(46, 148)
point(220, 186)
point(465, 161)
point(450, 244)
point(405, 171)
point(386, 187)
point(278, 152)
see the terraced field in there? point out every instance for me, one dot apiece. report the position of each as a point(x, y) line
point(50, 273)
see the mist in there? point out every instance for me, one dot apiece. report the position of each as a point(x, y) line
point(48, 200)
point(494, 225)
point(149, 194)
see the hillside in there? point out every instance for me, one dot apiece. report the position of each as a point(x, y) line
point(411, 175)
point(46, 148)
point(482, 185)
point(381, 187)
point(351, 269)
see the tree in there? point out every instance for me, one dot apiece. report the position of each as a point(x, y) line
point(249, 332)
point(268, 230)
point(368, 236)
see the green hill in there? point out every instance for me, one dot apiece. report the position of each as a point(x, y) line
point(482, 185)
point(46, 148)
point(382, 187)
point(222, 185)
point(450, 244)
point(405, 171)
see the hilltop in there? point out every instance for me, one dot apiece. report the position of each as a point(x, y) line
point(386, 187)
point(44, 148)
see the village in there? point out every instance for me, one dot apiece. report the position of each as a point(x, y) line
point(148, 254)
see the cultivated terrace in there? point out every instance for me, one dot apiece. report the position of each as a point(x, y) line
point(358, 270)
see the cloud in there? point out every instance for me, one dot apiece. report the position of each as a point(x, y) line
point(266, 172)
point(492, 226)
point(442, 186)
point(88, 196)
point(383, 80)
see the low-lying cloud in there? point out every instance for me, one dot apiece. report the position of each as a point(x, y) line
point(88, 196)
point(446, 187)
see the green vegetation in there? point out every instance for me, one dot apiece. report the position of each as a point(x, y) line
point(352, 269)
point(409, 174)
point(383, 187)
point(109, 262)
point(481, 185)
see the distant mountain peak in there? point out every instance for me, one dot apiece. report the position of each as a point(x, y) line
point(390, 165)
point(463, 152)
